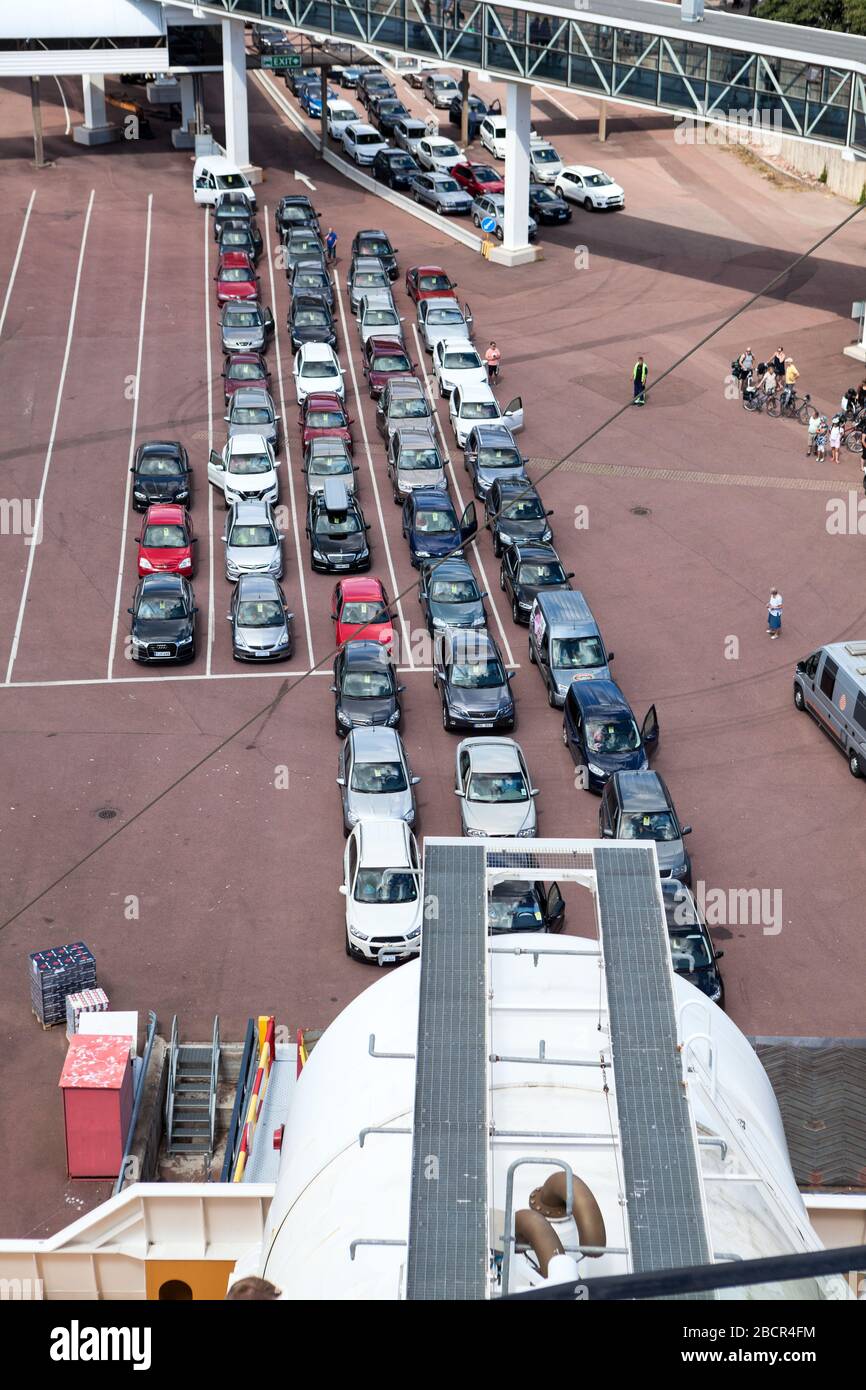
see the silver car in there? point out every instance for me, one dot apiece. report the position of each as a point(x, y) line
point(252, 541)
point(442, 318)
point(261, 621)
point(378, 317)
point(245, 327)
point(366, 275)
point(374, 777)
point(495, 790)
point(414, 460)
point(252, 411)
point(328, 458)
point(440, 192)
point(407, 132)
point(493, 205)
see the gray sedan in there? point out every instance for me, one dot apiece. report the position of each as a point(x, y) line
point(414, 460)
point(493, 205)
point(366, 275)
point(442, 318)
point(496, 794)
point(440, 192)
point(251, 411)
point(245, 327)
point(260, 619)
point(374, 777)
point(252, 541)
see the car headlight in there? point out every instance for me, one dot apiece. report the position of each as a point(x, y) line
point(317, 555)
point(352, 817)
point(595, 769)
point(181, 496)
point(144, 564)
point(548, 534)
point(409, 816)
point(185, 564)
point(358, 935)
point(184, 641)
point(139, 495)
point(476, 834)
point(393, 718)
point(139, 642)
point(525, 834)
point(715, 993)
point(413, 935)
point(423, 554)
point(344, 718)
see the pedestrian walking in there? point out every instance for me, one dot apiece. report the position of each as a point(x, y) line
point(638, 381)
point(331, 244)
point(774, 613)
point(835, 439)
point(814, 422)
point(821, 438)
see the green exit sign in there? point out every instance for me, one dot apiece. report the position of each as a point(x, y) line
point(280, 61)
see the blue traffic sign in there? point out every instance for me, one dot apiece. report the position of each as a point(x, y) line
point(488, 224)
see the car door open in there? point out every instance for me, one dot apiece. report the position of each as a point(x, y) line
point(649, 731)
point(216, 469)
point(468, 523)
point(513, 414)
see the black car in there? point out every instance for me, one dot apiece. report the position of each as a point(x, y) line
point(301, 244)
point(513, 513)
point(472, 682)
point(638, 806)
point(449, 595)
point(490, 455)
point(232, 207)
point(395, 168)
point(547, 206)
point(295, 210)
point(365, 687)
point(527, 570)
point(375, 84)
point(520, 906)
point(160, 473)
point(376, 243)
point(691, 945)
point(235, 235)
point(310, 321)
point(311, 277)
point(337, 531)
point(386, 112)
point(260, 618)
point(601, 733)
point(163, 619)
point(477, 111)
point(296, 78)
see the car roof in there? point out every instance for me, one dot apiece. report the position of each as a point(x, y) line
point(412, 121)
point(478, 640)
point(362, 128)
point(424, 498)
point(252, 511)
point(406, 386)
point(365, 653)
point(514, 487)
point(534, 550)
point(567, 608)
point(323, 400)
point(377, 299)
point(458, 344)
point(581, 169)
point(413, 437)
point(165, 583)
point(372, 231)
point(599, 697)
point(248, 444)
point(454, 568)
point(304, 300)
point(494, 433)
point(476, 391)
point(442, 302)
point(242, 308)
point(165, 511)
point(295, 200)
point(384, 842)
point(160, 446)
point(327, 444)
point(322, 352)
point(371, 744)
point(361, 586)
point(258, 586)
point(375, 343)
point(246, 355)
point(492, 754)
point(642, 791)
point(428, 270)
point(251, 396)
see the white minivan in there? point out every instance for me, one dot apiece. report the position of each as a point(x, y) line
point(213, 174)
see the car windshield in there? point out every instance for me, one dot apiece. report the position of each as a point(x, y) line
point(375, 246)
point(247, 464)
point(337, 524)
point(252, 415)
point(231, 181)
point(379, 318)
point(439, 316)
point(165, 537)
point(447, 186)
point(310, 280)
point(453, 590)
point(410, 408)
point(544, 195)
point(390, 362)
point(435, 521)
point(160, 466)
point(434, 282)
point(162, 609)
point(689, 950)
point(484, 174)
point(385, 886)
point(545, 156)
point(527, 509)
point(497, 786)
point(576, 653)
point(419, 458)
point(369, 280)
point(597, 180)
point(368, 138)
point(318, 368)
point(325, 419)
point(499, 458)
point(378, 777)
point(617, 735)
point(479, 410)
point(541, 573)
point(268, 613)
point(241, 318)
point(233, 236)
point(303, 244)
point(651, 825)
point(246, 371)
point(446, 151)
point(478, 675)
point(297, 214)
point(257, 535)
point(330, 465)
point(236, 274)
point(364, 611)
point(366, 685)
point(402, 161)
point(461, 361)
point(309, 318)
point(501, 911)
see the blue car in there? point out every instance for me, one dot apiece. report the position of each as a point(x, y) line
point(311, 98)
point(602, 735)
point(431, 527)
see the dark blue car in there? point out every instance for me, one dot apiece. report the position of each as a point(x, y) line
point(602, 735)
point(431, 527)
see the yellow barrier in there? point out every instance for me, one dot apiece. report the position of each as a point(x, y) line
point(260, 1086)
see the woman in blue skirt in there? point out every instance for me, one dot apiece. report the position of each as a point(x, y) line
point(774, 613)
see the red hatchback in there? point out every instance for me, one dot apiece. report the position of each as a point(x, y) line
point(429, 282)
point(325, 415)
point(245, 369)
point(360, 611)
point(383, 359)
point(236, 277)
point(167, 541)
point(478, 179)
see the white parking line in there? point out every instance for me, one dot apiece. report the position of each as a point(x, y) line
point(210, 491)
point(395, 588)
point(132, 433)
point(16, 262)
point(477, 552)
point(295, 527)
point(278, 673)
point(37, 529)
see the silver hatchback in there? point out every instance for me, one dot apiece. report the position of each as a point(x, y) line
point(374, 778)
point(252, 541)
point(414, 460)
point(252, 411)
point(494, 787)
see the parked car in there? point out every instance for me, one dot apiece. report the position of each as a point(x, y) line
point(295, 210)
point(325, 458)
point(245, 327)
point(301, 244)
point(243, 237)
point(439, 89)
point(514, 905)
point(491, 206)
point(395, 168)
point(311, 277)
point(414, 461)
point(245, 470)
point(310, 321)
point(245, 369)
point(382, 888)
point(366, 274)
point(160, 473)
point(376, 244)
point(339, 114)
point(407, 132)
point(252, 411)
point(692, 950)
point(429, 282)
point(443, 318)
point(565, 643)
point(387, 112)
point(440, 192)
point(361, 143)
point(383, 360)
point(324, 414)
point(360, 611)
point(513, 511)
point(252, 541)
point(592, 188)
point(457, 364)
point(829, 684)
point(527, 570)
point(601, 733)
point(492, 134)
point(438, 154)
point(163, 619)
point(478, 109)
point(472, 682)
point(431, 526)
point(402, 401)
point(491, 455)
point(233, 205)
point(365, 687)
point(496, 794)
point(477, 179)
point(545, 205)
point(469, 406)
point(166, 544)
point(544, 162)
point(374, 777)
point(638, 806)
point(378, 317)
point(311, 98)
point(235, 278)
point(336, 530)
point(261, 622)
point(449, 595)
point(316, 370)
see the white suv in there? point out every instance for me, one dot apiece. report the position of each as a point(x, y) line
point(362, 143)
point(382, 888)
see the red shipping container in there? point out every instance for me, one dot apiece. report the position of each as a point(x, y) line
point(97, 1103)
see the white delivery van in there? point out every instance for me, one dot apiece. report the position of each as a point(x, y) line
point(213, 174)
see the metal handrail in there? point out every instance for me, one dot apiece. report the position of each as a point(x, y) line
point(245, 1081)
point(136, 1104)
point(214, 1076)
point(172, 1073)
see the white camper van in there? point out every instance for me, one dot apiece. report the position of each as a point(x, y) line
point(213, 175)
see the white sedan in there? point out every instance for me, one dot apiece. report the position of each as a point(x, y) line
point(592, 188)
point(438, 154)
point(316, 370)
point(244, 470)
point(382, 888)
point(469, 406)
point(456, 363)
point(495, 790)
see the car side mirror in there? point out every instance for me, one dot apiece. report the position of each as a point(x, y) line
point(333, 690)
point(610, 655)
point(400, 689)
point(366, 525)
point(228, 617)
point(458, 792)
point(717, 955)
point(549, 512)
point(227, 418)
point(687, 830)
point(570, 575)
point(414, 781)
point(533, 791)
point(222, 538)
point(341, 781)
point(607, 832)
point(342, 889)
point(509, 675)
point(130, 610)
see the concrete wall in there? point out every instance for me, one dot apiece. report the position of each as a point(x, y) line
point(845, 177)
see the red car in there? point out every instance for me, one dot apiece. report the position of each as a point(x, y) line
point(360, 610)
point(236, 277)
point(478, 179)
point(325, 414)
point(167, 541)
point(245, 369)
point(382, 359)
point(429, 282)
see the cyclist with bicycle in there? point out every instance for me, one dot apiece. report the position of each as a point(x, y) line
point(791, 376)
point(493, 357)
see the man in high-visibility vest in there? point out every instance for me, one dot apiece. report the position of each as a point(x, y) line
point(638, 381)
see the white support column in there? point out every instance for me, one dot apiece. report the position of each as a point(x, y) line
point(96, 129)
point(184, 137)
point(235, 98)
point(515, 248)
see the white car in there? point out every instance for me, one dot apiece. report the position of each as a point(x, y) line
point(438, 154)
point(594, 189)
point(378, 317)
point(361, 143)
point(407, 133)
point(456, 363)
point(245, 471)
point(316, 369)
point(544, 162)
point(492, 132)
point(382, 888)
point(495, 790)
point(469, 406)
point(443, 318)
point(340, 114)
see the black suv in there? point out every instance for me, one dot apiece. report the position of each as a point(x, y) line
point(365, 687)
point(395, 168)
point(514, 512)
point(295, 210)
point(528, 570)
point(163, 619)
point(691, 944)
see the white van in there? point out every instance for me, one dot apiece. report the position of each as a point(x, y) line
point(213, 174)
point(492, 132)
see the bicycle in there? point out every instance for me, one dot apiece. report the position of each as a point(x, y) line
point(757, 399)
point(792, 407)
